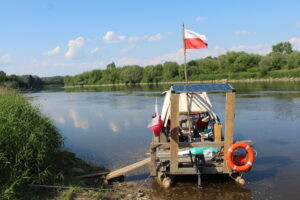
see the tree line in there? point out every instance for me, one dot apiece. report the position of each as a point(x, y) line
point(283, 61)
point(28, 82)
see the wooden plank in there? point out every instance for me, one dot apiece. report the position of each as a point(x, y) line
point(153, 166)
point(217, 132)
point(127, 169)
point(195, 144)
point(229, 126)
point(93, 175)
point(174, 140)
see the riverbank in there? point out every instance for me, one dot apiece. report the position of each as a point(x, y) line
point(33, 159)
point(250, 80)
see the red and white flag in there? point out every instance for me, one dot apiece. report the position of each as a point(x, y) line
point(156, 123)
point(193, 40)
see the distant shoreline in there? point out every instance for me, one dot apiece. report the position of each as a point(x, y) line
point(250, 80)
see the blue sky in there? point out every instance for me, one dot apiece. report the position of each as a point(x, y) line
point(59, 37)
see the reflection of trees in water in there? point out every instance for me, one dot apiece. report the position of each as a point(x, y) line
point(116, 88)
point(215, 187)
point(266, 86)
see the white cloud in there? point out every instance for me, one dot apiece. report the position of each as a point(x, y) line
point(130, 47)
point(93, 51)
point(295, 42)
point(191, 54)
point(74, 46)
point(150, 38)
point(242, 32)
point(155, 37)
point(5, 59)
point(77, 121)
point(200, 19)
point(111, 37)
point(52, 52)
point(259, 48)
point(298, 23)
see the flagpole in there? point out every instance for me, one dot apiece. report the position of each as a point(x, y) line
point(186, 80)
point(184, 52)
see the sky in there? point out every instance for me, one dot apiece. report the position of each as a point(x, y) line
point(61, 37)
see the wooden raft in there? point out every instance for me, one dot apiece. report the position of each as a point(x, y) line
point(125, 170)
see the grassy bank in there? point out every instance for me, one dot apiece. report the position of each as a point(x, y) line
point(31, 150)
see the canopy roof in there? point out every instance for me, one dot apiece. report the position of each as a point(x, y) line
point(203, 88)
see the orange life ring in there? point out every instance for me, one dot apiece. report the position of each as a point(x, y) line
point(229, 157)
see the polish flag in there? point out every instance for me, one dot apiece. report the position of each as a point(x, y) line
point(156, 123)
point(194, 40)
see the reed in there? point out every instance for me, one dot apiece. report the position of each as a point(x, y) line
point(29, 145)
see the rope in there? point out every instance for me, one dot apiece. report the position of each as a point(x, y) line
point(138, 189)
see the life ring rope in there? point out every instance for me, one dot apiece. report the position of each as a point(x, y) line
point(249, 162)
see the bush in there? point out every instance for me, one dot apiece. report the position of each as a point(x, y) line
point(29, 145)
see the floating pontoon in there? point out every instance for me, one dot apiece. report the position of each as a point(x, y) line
point(186, 148)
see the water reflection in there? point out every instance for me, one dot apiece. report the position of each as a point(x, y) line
point(114, 122)
point(78, 122)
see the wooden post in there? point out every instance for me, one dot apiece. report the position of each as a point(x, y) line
point(217, 132)
point(153, 166)
point(174, 143)
point(229, 125)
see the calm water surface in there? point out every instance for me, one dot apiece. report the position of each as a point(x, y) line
point(108, 126)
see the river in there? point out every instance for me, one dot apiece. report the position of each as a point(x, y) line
point(108, 126)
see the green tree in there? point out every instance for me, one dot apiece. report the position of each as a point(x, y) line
point(2, 76)
point(132, 74)
point(170, 70)
point(245, 61)
point(111, 66)
point(273, 61)
point(148, 74)
point(294, 60)
point(283, 48)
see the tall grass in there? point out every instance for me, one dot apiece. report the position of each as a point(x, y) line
point(29, 145)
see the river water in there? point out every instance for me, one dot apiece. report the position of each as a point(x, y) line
point(108, 126)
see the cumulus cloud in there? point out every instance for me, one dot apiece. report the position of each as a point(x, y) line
point(259, 48)
point(52, 52)
point(242, 32)
point(295, 42)
point(111, 37)
point(94, 51)
point(77, 121)
point(74, 46)
point(5, 59)
point(200, 19)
